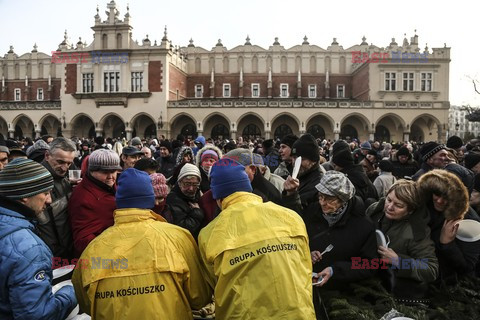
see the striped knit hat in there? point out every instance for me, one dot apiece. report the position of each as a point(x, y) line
point(24, 178)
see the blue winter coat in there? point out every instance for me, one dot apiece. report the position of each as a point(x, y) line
point(26, 270)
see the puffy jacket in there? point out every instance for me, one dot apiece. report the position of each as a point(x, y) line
point(257, 257)
point(91, 211)
point(284, 170)
point(54, 223)
point(155, 271)
point(167, 165)
point(26, 270)
point(274, 179)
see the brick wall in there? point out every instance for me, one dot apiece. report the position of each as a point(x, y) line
point(9, 94)
point(248, 79)
point(70, 78)
point(155, 78)
point(177, 81)
point(360, 86)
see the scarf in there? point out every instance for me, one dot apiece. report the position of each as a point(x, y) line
point(334, 217)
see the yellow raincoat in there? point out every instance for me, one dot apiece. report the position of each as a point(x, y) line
point(257, 257)
point(141, 268)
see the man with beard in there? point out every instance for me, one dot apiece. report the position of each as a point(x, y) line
point(182, 201)
point(286, 166)
point(298, 193)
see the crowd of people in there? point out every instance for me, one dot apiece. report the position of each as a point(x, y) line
point(202, 227)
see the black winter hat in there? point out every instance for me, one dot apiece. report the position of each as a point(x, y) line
point(372, 152)
point(403, 151)
point(454, 142)
point(343, 158)
point(306, 147)
point(289, 140)
point(429, 149)
point(267, 144)
point(385, 166)
point(471, 159)
point(167, 145)
point(339, 145)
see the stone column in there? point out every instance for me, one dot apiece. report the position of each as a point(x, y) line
point(406, 136)
point(233, 134)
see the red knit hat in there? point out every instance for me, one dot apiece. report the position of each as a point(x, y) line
point(159, 184)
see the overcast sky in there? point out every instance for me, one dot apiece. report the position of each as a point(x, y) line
point(24, 22)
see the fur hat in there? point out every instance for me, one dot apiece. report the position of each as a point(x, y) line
point(442, 182)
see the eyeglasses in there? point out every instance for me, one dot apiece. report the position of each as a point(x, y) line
point(190, 184)
point(325, 198)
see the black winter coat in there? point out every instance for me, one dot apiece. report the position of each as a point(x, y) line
point(183, 214)
point(306, 193)
point(265, 189)
point(364, 188)
point(352, 236)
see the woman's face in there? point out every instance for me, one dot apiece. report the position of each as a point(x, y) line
point(439, 203)
point(395, 209)
point(329, 204)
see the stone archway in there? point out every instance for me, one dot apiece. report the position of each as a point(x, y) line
point(251, 127)
point(23, 127)
point(424, 128)
point(143, 126)
point(354, 126)
point(83, 127)
point(283, 125)
point(216, 127)
point(50, 125)
point(185, 125)
point(320, 126)
point(3, 129)
point(113, 127)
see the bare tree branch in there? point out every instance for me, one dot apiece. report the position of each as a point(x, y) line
point(475, 86)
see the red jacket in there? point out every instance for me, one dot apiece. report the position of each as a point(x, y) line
point(91, 211)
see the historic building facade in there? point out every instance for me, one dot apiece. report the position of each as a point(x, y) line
point(117, 87)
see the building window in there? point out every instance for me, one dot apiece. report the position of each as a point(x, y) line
point(408, 81)
point(390, 81)
point(198, 91)
point(340, 91)
point(87, 82)
point(226, 90)
point(111, 81)
point(284, 90)
point(312, 91)
point(255, 90)
point(426, 78)
point(18, 95)
point(39, 94)
point(137, 81)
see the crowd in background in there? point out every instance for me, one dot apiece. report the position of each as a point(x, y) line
point(348, 194)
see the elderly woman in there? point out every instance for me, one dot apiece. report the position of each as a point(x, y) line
point(410, 252)
point(447, 203)
point(339, 219)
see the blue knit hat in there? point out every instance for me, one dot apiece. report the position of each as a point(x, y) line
point(227, 176)
point(134, 190)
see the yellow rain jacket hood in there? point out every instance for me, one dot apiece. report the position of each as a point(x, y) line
point(141, 268)
point(257, 257)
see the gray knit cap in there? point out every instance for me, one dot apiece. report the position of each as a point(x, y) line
point(104, 159)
